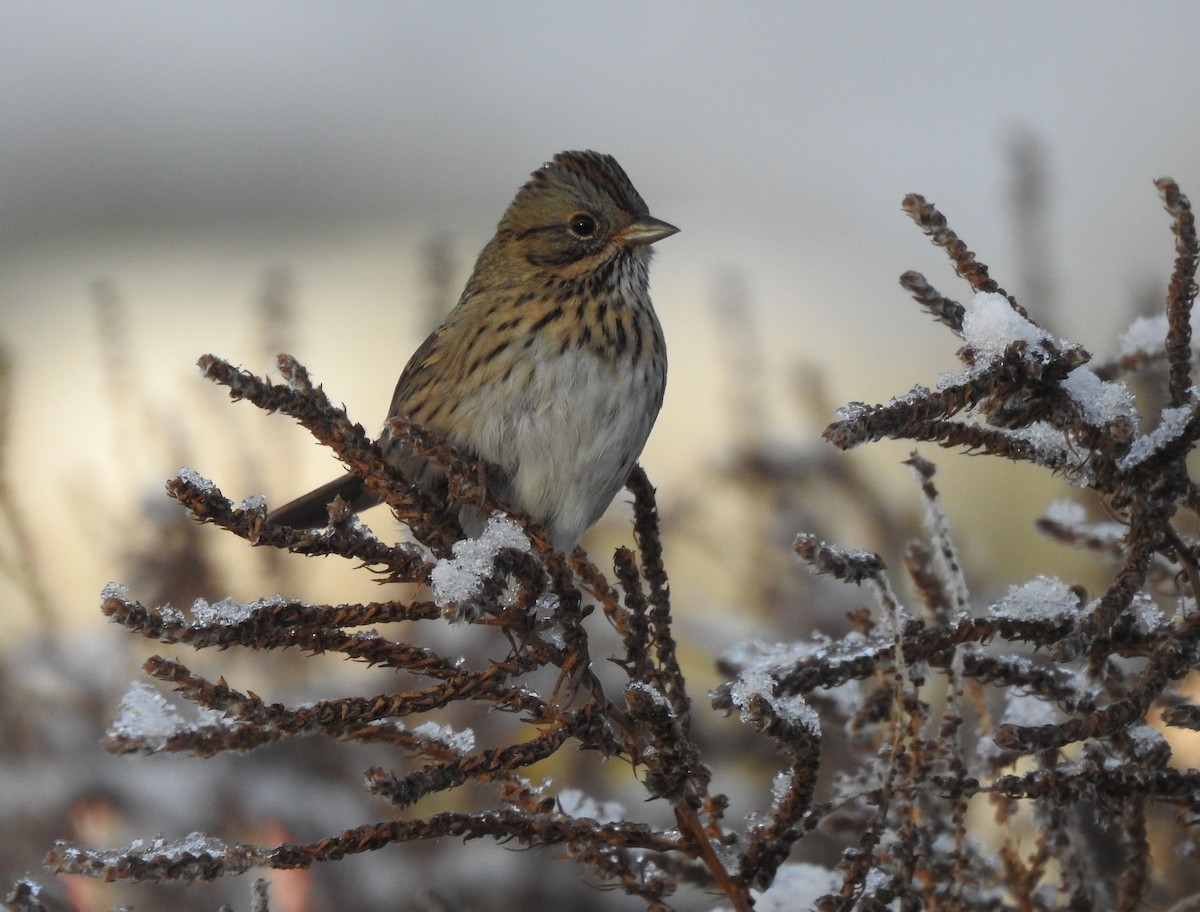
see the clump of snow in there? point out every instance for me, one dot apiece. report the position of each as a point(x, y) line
point(990, 325)
point(796, 711)
point(1171, 425)
point(852, 411)
point(144, 714)
point(194, 479)
point(461, 741)
point(545, 609)
point(751, 683)
point(1028, 710)
point(797, 885)
point(759, 683)
point(1145, 335)
point(115, 590)
point(1070, 514)
point(461, 578)
point(575, 803)
point(1146, 739)
point(1102, 402)
point(1044, 598)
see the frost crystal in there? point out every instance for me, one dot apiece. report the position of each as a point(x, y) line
point(852, 411)
point(780, 786)
point(538, 789)
point(916, 394)
point(254, 503)
point(1044, 598)
point(555, 636)
point(194, 479)
point(1052, 448)
point(796, 711)
point(877, 878)
point(225, 612)
point(1171, 425)
point(461, 577)
point(951, 379)
point(115, 590)
point(751, 683)
point(546, 610)
point(461, 741)
point(170, 614)
point(657, 697)
point(194, 844)
point(228, 612)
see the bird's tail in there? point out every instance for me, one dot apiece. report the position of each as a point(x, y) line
point(310, 511)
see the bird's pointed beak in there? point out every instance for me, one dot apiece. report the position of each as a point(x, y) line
point(646, 229)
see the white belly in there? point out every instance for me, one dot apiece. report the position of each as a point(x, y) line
point(568, 444)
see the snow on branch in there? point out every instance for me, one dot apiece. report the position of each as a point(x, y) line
point(1042, 698)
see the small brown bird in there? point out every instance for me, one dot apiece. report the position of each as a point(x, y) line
point(552, 365)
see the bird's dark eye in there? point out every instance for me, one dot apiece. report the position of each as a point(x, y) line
point(582, 225)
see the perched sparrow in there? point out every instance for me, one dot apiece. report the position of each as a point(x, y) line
point(552, 365)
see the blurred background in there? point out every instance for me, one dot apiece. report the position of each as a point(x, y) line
point(244, 178)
